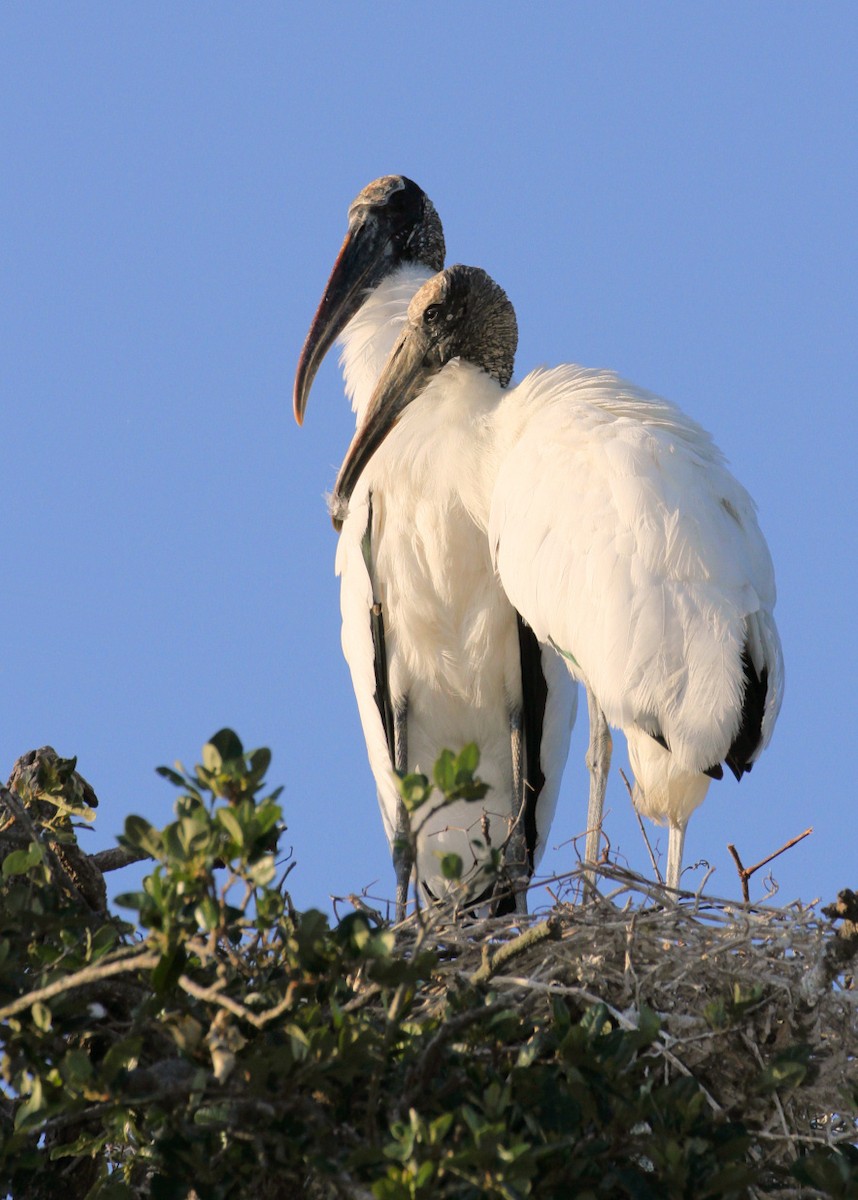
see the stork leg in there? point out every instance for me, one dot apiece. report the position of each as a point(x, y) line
point(403, 858)
point(675, 847)
point(516, 847)
point(598, 764)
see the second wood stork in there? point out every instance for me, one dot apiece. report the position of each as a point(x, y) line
point(437, 654)
point(617, 531)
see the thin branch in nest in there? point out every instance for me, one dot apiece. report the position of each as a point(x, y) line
point(745, 873)
point(492, 963)
point(658, 874)
point(699, 895)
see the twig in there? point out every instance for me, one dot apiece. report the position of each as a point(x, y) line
point(549, 928)
point(698, 895)
point(658, 874)
point(213, 995)
point(93, 974)
point(745, 873)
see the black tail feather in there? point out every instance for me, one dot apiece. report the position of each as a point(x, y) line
point(747, 740)
point(534, 693)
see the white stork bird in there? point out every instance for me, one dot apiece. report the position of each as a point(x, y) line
point(437, 654)
point(617, 531)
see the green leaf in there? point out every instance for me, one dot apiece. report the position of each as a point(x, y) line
point(173, 776)
point(415, 790)
point(227, 819)
point(260, 761)
point(299, 1041)
point(469, 758)
point(596, 1022)
point(833, 1171)
point(267, 815)
point(133, 900)
point(782, 1073)
point(440, 1127)
point(41, 1015)
point(30, 1111)
point(103, 941)
point(169, 968)
point(470, 790)
point(225, 746)
point(262, 871)
point(444, 773)
point(140, 834)
point(354, 930)
point(76, 1069)
point(212, 759)
point(269, 908)
point(648, 1026)
point(451, 866)
point(425, 1172)
point(207, 913)
point(85, 1146)
point(20, 861)
point(122, 1056)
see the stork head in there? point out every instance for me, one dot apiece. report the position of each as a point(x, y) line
point(392, 221)
point(459, 313)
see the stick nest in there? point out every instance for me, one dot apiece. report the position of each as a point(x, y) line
point(752, 1000)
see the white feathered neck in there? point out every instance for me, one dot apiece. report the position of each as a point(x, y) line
point(369, 336)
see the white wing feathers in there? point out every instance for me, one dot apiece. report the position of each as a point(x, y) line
point(621, 536)
point(355, 603)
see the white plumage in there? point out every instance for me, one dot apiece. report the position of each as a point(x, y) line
point(617, 532)
point(452, 638)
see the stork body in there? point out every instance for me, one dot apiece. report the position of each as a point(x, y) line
point(617, 532)
point(458, 664)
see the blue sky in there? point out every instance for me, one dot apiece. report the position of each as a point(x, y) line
point(668, 190)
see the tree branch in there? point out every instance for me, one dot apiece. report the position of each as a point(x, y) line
point(745, 873)
point(94, 974)
point(531, 937)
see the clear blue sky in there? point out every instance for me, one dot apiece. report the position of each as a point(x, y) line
point(668, 190)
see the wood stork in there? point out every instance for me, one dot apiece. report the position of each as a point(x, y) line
point(617, 532)
point(438, 656)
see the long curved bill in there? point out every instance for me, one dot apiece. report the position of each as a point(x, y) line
point(358, 267)
point(406, 374)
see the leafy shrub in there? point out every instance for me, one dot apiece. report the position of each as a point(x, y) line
point(225, 1045)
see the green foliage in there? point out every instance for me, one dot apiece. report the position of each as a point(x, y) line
point(455, 777)
point(228, 1045)
point(182, 895)
point(727, 1011)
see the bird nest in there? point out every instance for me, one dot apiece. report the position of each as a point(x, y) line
point(756, 1003)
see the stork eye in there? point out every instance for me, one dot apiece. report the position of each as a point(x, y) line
point(430, 316)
